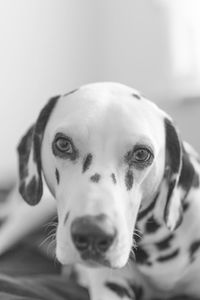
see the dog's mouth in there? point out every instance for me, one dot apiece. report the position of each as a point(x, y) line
point(95, 241)
point(96, 262)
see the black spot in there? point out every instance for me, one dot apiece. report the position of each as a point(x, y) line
point(188, 177)
point(172, 161)
point(195, 246)
point(165, 243)
point(151, 225)
point(118, 289)
point(173, 147)
point(142, 256)
point(137, 96)
point(71, 92)
point(95, 178)
point(129, 179)
point(186, 205)
point(57, 176)
point(31, 191)
point(148, 209)
point(24, 149)
point(172, 255)
point(114, 178)
point(66, 218)
point(87, 162)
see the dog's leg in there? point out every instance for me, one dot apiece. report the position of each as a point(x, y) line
point(109, 284)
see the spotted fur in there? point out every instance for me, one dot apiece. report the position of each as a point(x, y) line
point(95, 178)
point(163, 228)
point(57, 174)
point(87, 162)
point(113, 178)
point(129, 180)
point(152, 225)
point(29, 150)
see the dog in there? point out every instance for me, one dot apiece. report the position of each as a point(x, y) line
point(126, 189)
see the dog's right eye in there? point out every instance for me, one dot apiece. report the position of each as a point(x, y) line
point(64, 145)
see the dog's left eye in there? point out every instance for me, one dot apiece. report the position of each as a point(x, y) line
point(141, 155)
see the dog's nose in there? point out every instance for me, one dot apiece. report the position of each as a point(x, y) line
point(93, 235)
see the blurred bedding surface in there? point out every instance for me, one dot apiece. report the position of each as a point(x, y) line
point(26, 273)
point(40, 288)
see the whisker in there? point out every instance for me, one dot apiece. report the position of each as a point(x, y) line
point(132, 255)
point(52, 223)
point(46, 239)
point(138, 231)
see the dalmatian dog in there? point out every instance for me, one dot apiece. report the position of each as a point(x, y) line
point(126, 188)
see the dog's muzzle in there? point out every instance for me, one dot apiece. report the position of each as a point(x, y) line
point(93, 236)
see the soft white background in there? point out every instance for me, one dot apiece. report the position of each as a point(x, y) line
point(48, 47)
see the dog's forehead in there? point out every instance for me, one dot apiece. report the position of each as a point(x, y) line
point(107, 105)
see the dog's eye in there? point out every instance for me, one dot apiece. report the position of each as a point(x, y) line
point(64, 148)
point(63, 145)
point(141, 155)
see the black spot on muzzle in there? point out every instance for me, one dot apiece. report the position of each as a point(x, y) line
point(129, 180)
point(57, 176)
point(87, 162)
point(95, 178)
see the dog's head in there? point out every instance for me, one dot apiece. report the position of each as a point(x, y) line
point(104, 152)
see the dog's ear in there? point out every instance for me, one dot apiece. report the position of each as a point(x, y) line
point(173, 165)
point(179, 176)
point(29, 155)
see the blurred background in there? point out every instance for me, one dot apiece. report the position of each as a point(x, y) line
point(49, 47)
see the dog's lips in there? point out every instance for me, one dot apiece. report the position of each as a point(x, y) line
point(95, 260)
point(96, 264)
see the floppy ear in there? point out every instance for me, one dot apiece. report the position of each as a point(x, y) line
point(173, 165)
point(180, 176)
point(29, 155)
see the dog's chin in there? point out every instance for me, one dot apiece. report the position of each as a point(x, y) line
point(99, 263)
point(114, 259)
point(109, 263)
point(112, 263)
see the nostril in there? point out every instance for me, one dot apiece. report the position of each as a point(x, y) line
point(92, 235)
point(81, 242)
point(103, 245)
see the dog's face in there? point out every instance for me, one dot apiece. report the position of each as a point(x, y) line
point(103, 156)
